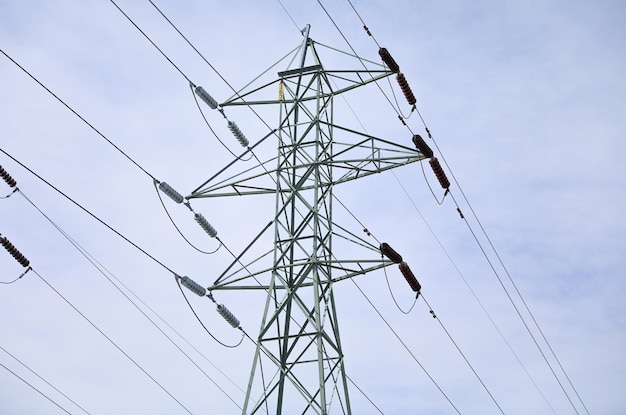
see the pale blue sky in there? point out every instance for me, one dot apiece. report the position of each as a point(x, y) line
point(525, 100)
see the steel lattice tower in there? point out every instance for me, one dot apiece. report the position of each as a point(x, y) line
point(298, 365)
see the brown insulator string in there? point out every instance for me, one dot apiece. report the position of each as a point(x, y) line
point(14, 252)
point(410, 277)
point(406, 89)
point(390, 253)
point(7, 177)
point(441, 175)
point(389, 60)
point(421, 145)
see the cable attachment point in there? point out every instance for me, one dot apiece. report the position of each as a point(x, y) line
point(170, 192)
point(193, 286)
point(433, 314)
point(210, 296)
point(238, 134)
point(458, 209)
point(7, 177)
point(204, 96)
point(21, 259)
point(367, 232)
point(402, 120)
point(367, 30)
point(228, 316)
point(204, 224)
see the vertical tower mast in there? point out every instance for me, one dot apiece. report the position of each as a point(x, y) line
point(299, 331)
point(298, 366)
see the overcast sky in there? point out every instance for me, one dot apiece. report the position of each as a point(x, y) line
point(524, 100)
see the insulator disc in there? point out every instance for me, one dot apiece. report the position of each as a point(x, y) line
point(169, 191)
point(193, 286)
point(228, 316)
point(389, 61)
point(390, 253)
point(7, 177)
point(409, 277)
point(204, 224)
point(421, 145)
point(238, 134)
point(21, 259)
point(406, 89)
point(204, 96)
point(441, 175)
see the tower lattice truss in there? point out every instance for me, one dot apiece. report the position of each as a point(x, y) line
point(298, 366)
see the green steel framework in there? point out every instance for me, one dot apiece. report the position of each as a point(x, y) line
point(298, 366)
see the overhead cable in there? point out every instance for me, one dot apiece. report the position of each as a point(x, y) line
point(107, 275)
point(76, 113)
point(445, 184)
point(88, 212)
point(35, 389)
point(44, 380)
point(128, 357)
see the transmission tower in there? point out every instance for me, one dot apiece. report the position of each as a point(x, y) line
point(298, 366)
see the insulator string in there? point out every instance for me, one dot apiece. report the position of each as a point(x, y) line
point(15, 253)
point(202, 324)
point(178, 229)
point(10, 181)
point(206, 121)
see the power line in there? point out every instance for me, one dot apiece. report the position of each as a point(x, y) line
point(188, 41)
point(462, 355)
point(102, 270)
point(88, 212)
point(480, 303)
point(171, 23)
point(520, 316)
point(99, 267)
point(39, 376)
point(150, 40)
point(290, 16)
point(112, 342)
point(177, 29)
point(404, 345)
point(76, 113)
point(93, 128)
point(496, 253)
point(520, 296)
point(35, 389)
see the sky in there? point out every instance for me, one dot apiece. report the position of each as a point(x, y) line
point(524, 101)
